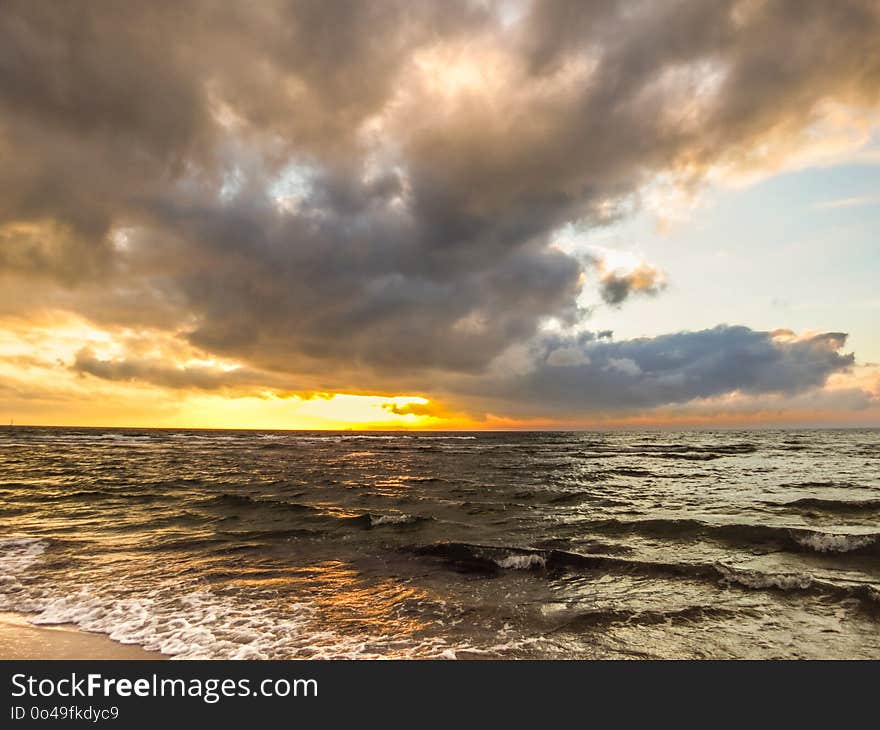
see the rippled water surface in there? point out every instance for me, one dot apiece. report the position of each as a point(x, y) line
point(521, 545)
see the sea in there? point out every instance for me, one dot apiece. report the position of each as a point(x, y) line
point(751, 544)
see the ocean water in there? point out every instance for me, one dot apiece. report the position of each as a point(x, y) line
point(225, 544)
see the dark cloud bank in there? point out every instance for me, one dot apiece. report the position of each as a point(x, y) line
point(365, 195)
point(641, 373)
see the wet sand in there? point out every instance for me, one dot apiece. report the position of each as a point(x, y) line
point(22, 640)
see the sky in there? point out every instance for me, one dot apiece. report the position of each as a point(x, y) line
point(472, 214)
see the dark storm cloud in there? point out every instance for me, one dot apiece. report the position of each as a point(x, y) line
point(675, 368)
point(157, 372)
point(359, 285)
point(319, 188)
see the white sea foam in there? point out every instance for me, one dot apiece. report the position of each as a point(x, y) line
point(830, 543)
point(522, 562)
point(195, 623)
point(754, 579)
point(401, 519)
point(201, 624)
point(19, 552)
point(17, 555)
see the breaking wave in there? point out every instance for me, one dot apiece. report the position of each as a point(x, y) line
point(744, 535)
point(486, 559)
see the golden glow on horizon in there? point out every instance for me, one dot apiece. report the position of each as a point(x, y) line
point(40, 385)
point(333, 411)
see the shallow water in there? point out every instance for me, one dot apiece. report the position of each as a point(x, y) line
point(224, 544)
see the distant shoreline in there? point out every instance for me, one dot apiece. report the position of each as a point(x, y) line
point(20, 639)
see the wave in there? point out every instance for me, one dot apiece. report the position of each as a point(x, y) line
point(17, 553)
point(607, 616)
point(201, 624)
point(844, 506)
point(823, 542)
point(270, 534)
point(471, 558)
point(191, 542)
point(190, 621)
point(829, 483)
point(364, 520)
point(591, 497)
point(95, 495)
point(626, 472)
point(399, 519)
point(369, 437)
point(740, 448)
point(685, 456)
point(17, 556)
point(687, 452)
point(865, 594)
point(493, 560)
point(242, 500)
point(522, 561)
point(439, 437)
point(748, 535)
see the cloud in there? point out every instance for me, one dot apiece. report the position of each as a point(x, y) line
point(364, 194)
point(616, 287)
point(412, 409)
point(155, 371)
point(675, 368)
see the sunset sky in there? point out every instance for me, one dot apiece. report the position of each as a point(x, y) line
point(453, 214)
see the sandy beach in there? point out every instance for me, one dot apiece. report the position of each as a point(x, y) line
point(20, 639)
